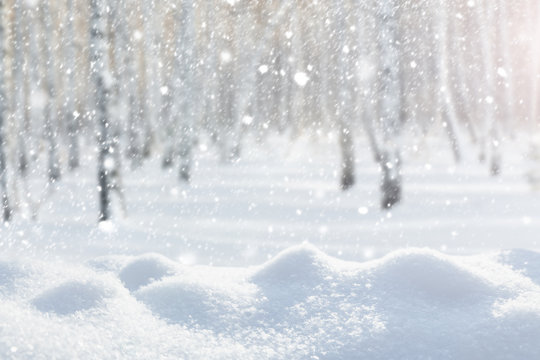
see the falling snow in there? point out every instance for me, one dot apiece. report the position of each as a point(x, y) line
point(301, 78)
point(269, 180)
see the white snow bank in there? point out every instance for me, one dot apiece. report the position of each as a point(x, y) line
point(302, 304)
point(189, 303)
point(9, 272)
point(428, 276)
point(146, 269)
point(297, 266)
point(71, 297)
point(525, 261)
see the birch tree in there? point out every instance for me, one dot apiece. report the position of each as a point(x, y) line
point(185, 95)
point(211, 62)
point(99, 59)
point(226, 86)
point(152, 80)
point(445, 100)
point(460, 88)
point(389, 102)
point(344, 90)
point(51, 113)
point(484, 14)
point(535, 79)
point(21, 96)
point(6, 209)
point(71, 120)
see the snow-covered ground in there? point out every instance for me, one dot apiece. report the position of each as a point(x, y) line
point(266, 258)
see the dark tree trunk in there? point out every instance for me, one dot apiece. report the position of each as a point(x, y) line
point(347, 159)
point(391, 180)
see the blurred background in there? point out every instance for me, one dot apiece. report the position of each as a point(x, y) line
point(298, 120)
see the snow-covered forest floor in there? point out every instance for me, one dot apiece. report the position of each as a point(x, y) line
point(267, 258)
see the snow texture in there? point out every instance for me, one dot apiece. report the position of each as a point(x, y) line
point(318, 273)
point(302, 304)
point(144, 270)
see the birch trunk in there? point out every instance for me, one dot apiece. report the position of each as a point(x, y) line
point(185, 94)
point(152, 101)
point(505, 72)
point(72, 122)
point(51, 113)
point(445, 100)
point(389, 103)
point(485, 16)
point(345, 105)
point(100, 72)
point(6, 209)
point(21, 96)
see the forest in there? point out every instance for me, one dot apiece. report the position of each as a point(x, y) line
point(108, 84)
point(270, 179)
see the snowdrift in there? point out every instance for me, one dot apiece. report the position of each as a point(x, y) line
point(302, 304)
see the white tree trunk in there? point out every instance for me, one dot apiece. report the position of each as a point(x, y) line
point(212, 64)
point(185, 87)
point(21, 97)
point(99, 54)
point(445, 100)
point(485, 16)
point(506, 99)
point(535, 78)
point(460, 87)
point(345, 99)
point(389, 102)
point(72, 122)
point(135, 122)
point(6, 209)
point(51, 112)
point(152, 98)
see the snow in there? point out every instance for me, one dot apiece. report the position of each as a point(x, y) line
point(265, 258)
point(301, 78)
point(301, 304)
point(70, 297)
point(242, 217)
point(502, 72)
point(225, 56)
point(144, 270)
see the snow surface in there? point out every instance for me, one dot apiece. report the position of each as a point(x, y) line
point(301, 304)
point(266, 259)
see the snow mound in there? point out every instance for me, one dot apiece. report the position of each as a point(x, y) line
point(302, 304)
point(71, 297)
point(429, 276)
point(302, 265)
point(145, 270)
point(525, 261)
point(9, 273)
point(181, 302)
